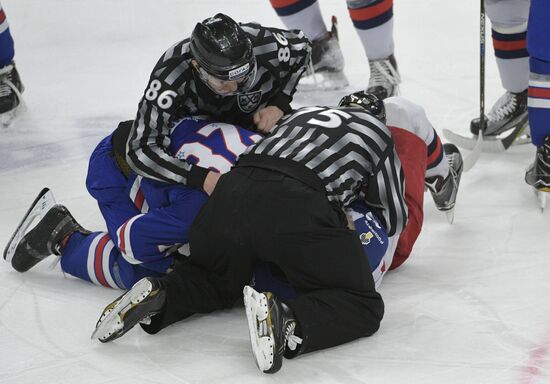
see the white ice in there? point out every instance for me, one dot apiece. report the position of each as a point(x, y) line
point(472, 304)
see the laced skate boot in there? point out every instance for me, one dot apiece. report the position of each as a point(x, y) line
point(271, 325)
point(144, 300)
point(538, 173)
point(444, 191)
point(10, 92)
point(384, 78)
point(509, 112)
point(326, 68)
point(46, 238)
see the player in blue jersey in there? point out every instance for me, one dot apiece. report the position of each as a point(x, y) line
point(538, 45)
point(148, 221)
point(10, 83)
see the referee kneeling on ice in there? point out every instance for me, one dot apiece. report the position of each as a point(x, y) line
point(283, 204)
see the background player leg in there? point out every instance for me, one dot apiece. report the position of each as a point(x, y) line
point(509, 29)
point(373, 21)
point(538, 174)
point(327, 61)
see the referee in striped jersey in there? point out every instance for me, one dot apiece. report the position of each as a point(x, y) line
point(282, 204)
point(243, 74)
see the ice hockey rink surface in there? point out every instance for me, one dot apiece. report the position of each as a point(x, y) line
point(471, 305)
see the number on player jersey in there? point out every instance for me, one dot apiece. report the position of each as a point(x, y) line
point(207, 156)
point(164, 99)
point(283, 54)
point(334, 118)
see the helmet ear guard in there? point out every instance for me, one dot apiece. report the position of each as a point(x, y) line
point(368, 101)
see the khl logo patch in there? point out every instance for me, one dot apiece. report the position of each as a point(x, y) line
point(249, 102)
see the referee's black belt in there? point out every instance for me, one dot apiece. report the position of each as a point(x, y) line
point(285, 166)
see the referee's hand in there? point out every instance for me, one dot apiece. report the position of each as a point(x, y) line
point(266, 118)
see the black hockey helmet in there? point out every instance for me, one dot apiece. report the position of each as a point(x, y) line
point(223, 51)
point(368, 101)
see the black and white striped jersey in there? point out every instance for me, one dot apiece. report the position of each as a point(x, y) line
point(350, 151)
point(175, 91)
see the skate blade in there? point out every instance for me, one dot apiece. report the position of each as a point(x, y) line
point(542, 193)
point(473, 157)
point(257, 315)
point(111, 321)
point(323, 81)
point(450, 214)
point(7, 118)
point(42, 204)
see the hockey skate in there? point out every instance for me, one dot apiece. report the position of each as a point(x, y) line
point(271, 325)
point(384, 78)
point(144, 300)
point(42, 204)
point(444, 191)
point(10, 94)
point(46, 238)
point(509, 111)
point(538, 173)
point(505, 125)
point(326, 68)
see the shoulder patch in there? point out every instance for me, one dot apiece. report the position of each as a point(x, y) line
point(249, 102)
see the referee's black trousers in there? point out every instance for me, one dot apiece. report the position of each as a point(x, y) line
point(259, 214)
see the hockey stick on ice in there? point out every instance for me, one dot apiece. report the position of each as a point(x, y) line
point(497, 145)
point(472, 158)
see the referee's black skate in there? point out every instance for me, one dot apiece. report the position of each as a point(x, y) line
point(384, 78)
point(538, 173)
point(444, 191)
point(46, 238)
point(145, 299)
point(509, 112)
point(271, 325)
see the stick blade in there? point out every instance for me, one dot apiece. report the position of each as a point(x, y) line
point(473, 156)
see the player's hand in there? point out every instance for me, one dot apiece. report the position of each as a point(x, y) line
point(210, 182)
point(266, 118)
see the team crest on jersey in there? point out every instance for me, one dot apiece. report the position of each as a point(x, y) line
point(248, 102)
point(365, 237)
